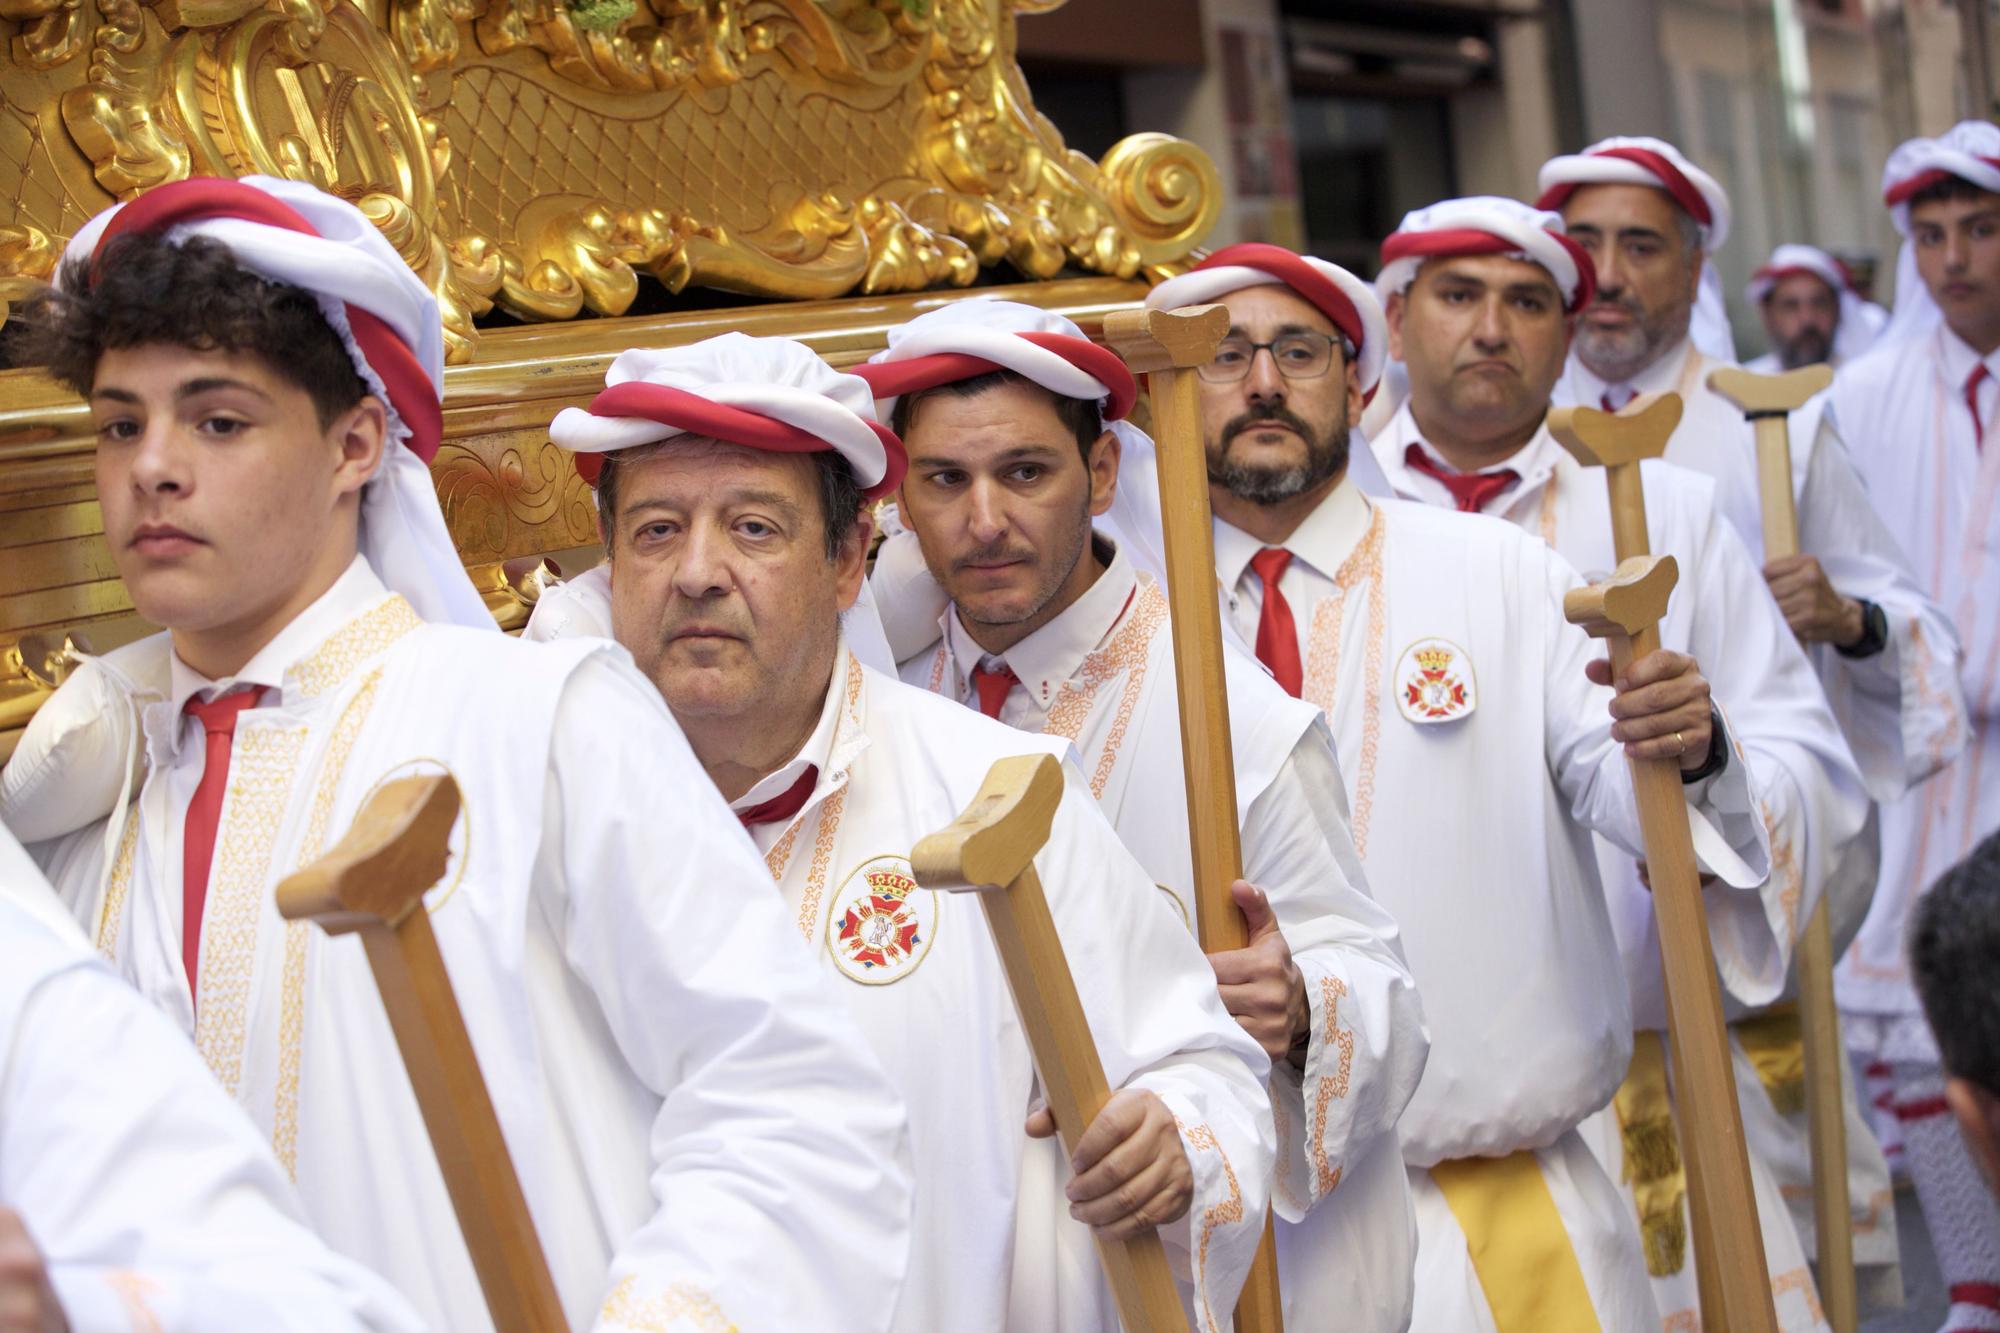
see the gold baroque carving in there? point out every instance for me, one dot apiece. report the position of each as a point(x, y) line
point(509, 495)
point(803, 149)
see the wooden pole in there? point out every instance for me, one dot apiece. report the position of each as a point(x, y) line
point(1167, 346)
point(1768, 400)
point(1730, 1267)
point(990, 850)
point(373, 884)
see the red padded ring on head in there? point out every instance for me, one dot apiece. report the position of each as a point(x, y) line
point(1292, 270)
point(1678, 187)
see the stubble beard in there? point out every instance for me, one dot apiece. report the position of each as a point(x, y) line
point(1808, 349)
point(1617, 357)
point(1056, 575)
point(1326, 458)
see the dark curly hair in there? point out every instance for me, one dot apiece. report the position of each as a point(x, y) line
point(1079, 416)
point(191, 295)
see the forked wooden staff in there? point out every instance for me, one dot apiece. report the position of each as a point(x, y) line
point(1167, 346)
point(990, 850)
point(372, 884)
point(1768, 401)
point(1625, 611)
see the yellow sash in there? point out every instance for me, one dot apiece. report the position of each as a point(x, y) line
point(1653, 1166)
point(1518, 1247)
point(1777, 1049)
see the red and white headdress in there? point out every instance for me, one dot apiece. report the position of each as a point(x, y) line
point(761, 393)
point(1343, 298)
point(1487, 225)
point(979, 335)
point(1969, 150)
point(292, 233)
point(1860, 321)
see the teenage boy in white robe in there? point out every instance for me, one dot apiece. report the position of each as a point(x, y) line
point(697, 1132)
point(730, 478)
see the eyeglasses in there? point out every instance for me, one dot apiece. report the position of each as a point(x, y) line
point(1298, 356)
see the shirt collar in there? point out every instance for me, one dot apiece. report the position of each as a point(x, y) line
point(1662, 375)
point(1956, 358)
point(1054, 653)
point(352, 593)
point(819, 751)
point(1327, 537)
point(1533, 461)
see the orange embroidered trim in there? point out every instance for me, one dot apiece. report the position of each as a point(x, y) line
point(135, 1293)
point(1799, 1280)
point(937, 669)
point(829, 822)
point(1547, 521)
point(111, 917)
point(1681, 1321)
point(1332, 1086)
point(1282, 1178)
point(1230, 1211)
point(1928, 691)
point(1129, 652)
point(1785, 869)
point(680, 1305)
point(1323, 661)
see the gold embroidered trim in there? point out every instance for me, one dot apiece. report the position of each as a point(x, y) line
point(261, 770)
point(1800, 1280)
point(359, 640)
point(135, 1292)
point(937, 670)
point(1333, 1086)
point(1128, 652)
point(111, 916)
point(1547, 518)
point(1786, 870)
point(682, 1304)
point(780, 854)
point(1230, 1211)
point(292, 1004)
point(1323, 664)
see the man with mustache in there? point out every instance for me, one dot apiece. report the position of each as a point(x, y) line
point(1015, 422)
point(730, 478)
point(1481, 298)
point(1471, 721)
point(694, 1125)
point(1811, 312)
point(1922, 406)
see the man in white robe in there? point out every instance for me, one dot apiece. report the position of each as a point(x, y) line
point(1480, 297)
point(1921, 409)
point(699, 1136)
point(730, 478)
point(1014, 422)
point(1811, 312)
point(1471, 721)
point(133, 1195)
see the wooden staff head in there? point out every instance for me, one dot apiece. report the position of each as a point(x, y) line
point(1631, 600)
point(1152, 340)
point(1769, 395)
point(1616, 439)
point(380, 871)
point(997, 837)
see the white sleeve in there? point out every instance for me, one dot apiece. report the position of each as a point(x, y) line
point(1158, 1023)
point(153, 1200)
point(1729, 837)
point(781, 1159)
point(1368, 1045)
point(1903, 709)
point(908, 601)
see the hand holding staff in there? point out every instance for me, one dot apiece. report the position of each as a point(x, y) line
point(1167, 346)
point(1768, 400)
point(373, 884)
point(1625, 610)
point(990, 850)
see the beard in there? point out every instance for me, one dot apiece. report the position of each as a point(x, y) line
point(1618, 355)
point(1808, 348)
point(1263, 484)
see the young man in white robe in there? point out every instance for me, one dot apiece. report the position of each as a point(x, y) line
point(1481, 295)
point(1481, 745)
point(1013, 420)
point(1885, 651)
point(1810, 311)
point(698, 1134)
point(1922, 409)
point(730, 479)
point(132, 1193)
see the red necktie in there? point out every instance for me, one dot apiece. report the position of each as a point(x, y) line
point(218, 722)
point(993, 688)
point(1972, 383)
point(1471, 490)
point(1277, 632)
point(785, 804)
point(1614, 398)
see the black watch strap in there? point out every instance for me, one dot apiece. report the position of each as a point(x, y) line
point(1874, 633)
point(1718, 750)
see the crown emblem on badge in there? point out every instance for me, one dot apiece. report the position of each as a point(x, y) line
point(1434, 659)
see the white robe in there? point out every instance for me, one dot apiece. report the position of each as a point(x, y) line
point(1475, 826)
point(1902, 405)
point(1102, 675)
point(697, 1132)
point(153, 1202)
point(1898, 709)
point(1810, 792)
point(995, 1248)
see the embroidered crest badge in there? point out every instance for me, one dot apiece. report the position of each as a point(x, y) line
point(1434, 682)
point(881, 924)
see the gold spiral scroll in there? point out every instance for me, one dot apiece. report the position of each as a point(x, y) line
point(1164, 193)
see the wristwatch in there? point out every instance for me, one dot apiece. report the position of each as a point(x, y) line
point(1874, 633)
point(1718, 751)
